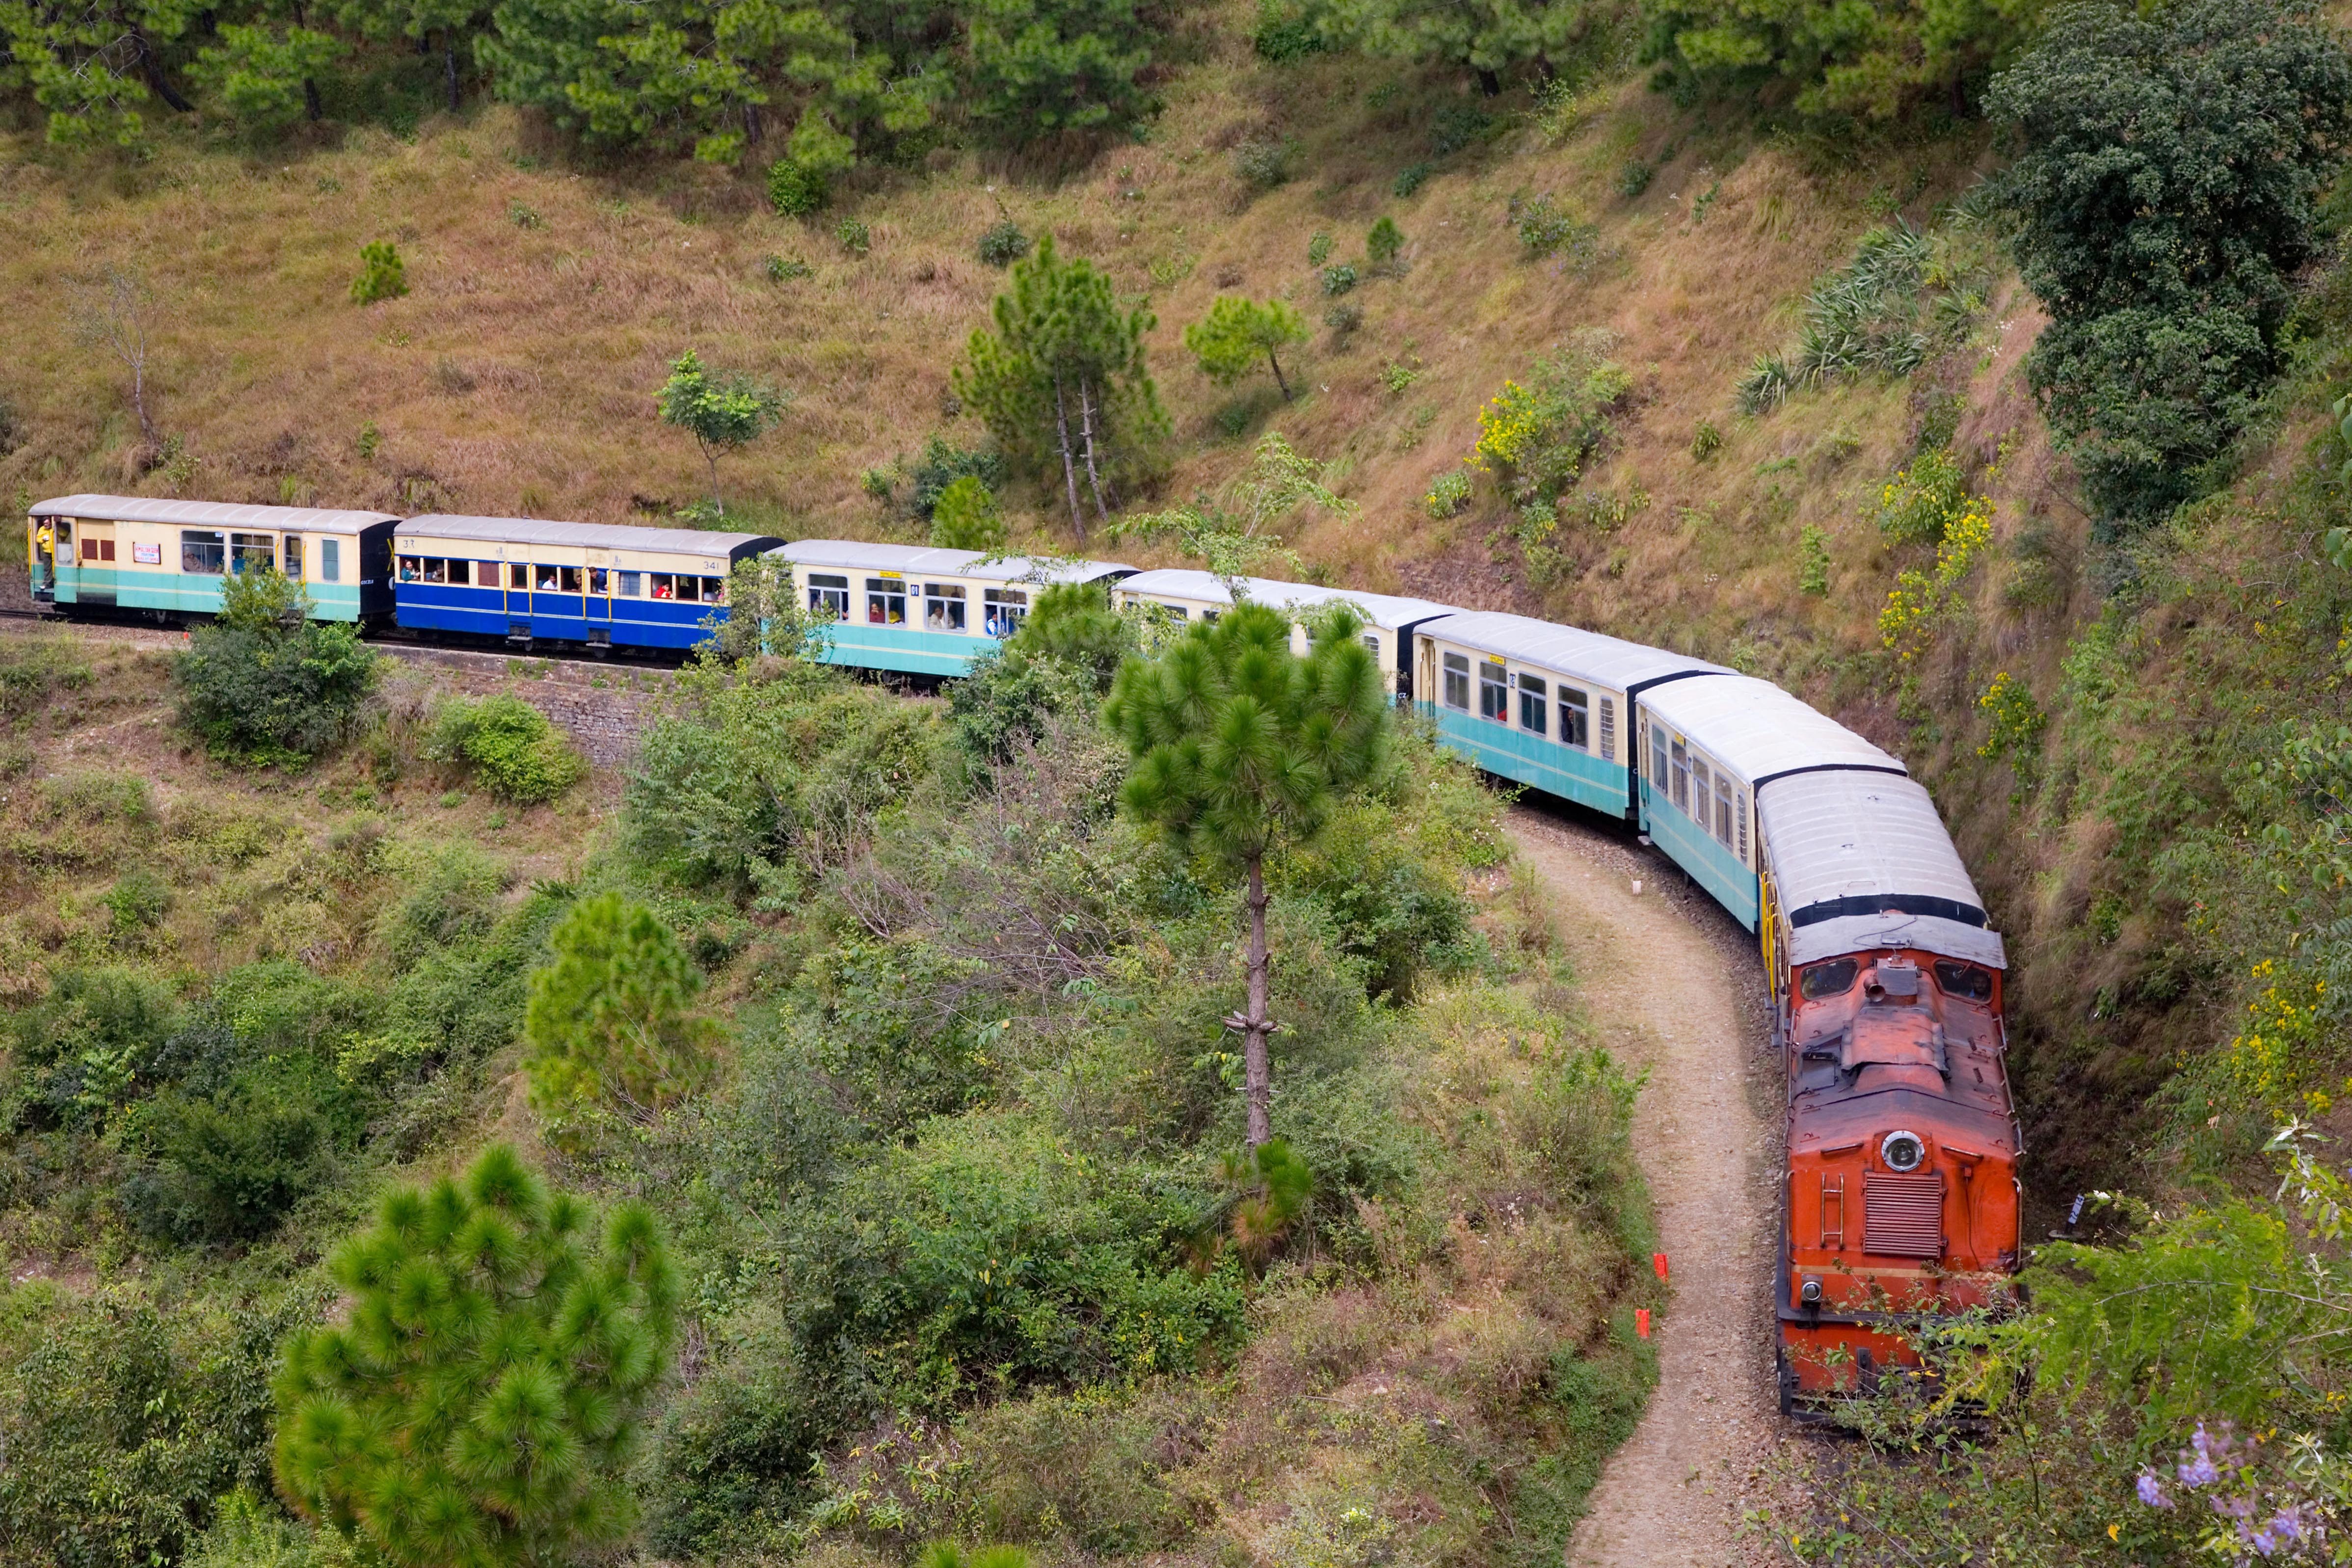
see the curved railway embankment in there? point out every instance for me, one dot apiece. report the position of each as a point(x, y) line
point(1672, 984)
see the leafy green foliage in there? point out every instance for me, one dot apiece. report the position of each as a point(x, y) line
point(1237, 334)
point(264, 684)
point(1062, 379)
point(509, 746)
point(2164, 199)
point(941, 464)
point(1002, 242)
point(1384, 241)
point(724, 413)
point(1287, 34)
point(1233, 537)
point(1487, 36)
point(481, 1401)
point(382, 274)
point(1865, 319)
point(1873, 62)
point(795, 190)
point(1548, 228)
point(612, 1020)
point(1240, 744)
point(266, 76)
point(965, 517)
point(1041, 69)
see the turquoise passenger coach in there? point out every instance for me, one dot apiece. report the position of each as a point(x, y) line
point(1549, 707)
point(1388, 621)
point(1707, 746)
point(130, 552)
point(921, 611)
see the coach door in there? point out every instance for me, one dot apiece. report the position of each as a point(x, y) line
point(600, 596)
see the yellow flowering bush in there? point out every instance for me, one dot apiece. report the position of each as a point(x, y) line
point(1907, 625)
point(2276, 1064)
point(2017, 722)
point(1509, 428)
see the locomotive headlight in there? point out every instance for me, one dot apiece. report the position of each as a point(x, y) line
point(1903, 1151)
point(1810, 1292)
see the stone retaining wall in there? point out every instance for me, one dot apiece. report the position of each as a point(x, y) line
point(603, 708)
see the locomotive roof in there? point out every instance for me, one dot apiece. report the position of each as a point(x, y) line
point(1894, 928)
point(601, 536)
point(1384, 610)
point(1860, 843)
point(209, 514)
point(852, 555)
point(1570, 650)
point(1759, 731)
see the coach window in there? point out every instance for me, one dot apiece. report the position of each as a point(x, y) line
point(942, 607)
point(714, 590)
point(518, 575)
point(600, 580)
point(827, 593)
point(567, 580)
point(436, 569)
point(1723, 808)
point(201, 550)
point(1658, 770)
point(1494, 691)
point(660, 585)
point(1575, 719)
point(1531, 705)
point(886, 602)
point(1004, 609)
point(294, 554)
point(252, 552)
point(1681, 769)
point(632, 583)
point(688, 587)
point(1457, 681)
point(1701, 814)
point(1608, 729)
point(412, 568)
point(543, 579)
point(331, 560)
point(1834, 980)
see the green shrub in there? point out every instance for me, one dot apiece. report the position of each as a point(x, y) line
point(508, 745)
point(1344, 318)
point(138, 904)
point(1634, 177)
point(943, 462)
point(1411, 179)
point(965, 517)
point(1812, 561)
point(1384, 242)
point(228, 1167)
point(1002, 242)
point(1318, 249)
point(1448, 495)
point(854, 235)
point(267, 685)
point(795, 190)
point(382, 274)
point(1263, 163)
point(787, 268)
point(1338, 279)
point(1921, 503)
point(1287, 34)
point(1546, 229)
point(612, 1021)
point(1706, 441)
point(523, 216)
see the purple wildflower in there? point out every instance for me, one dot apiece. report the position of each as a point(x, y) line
point(2261, 1542)
point(2288, 1526)
point(2151, 1490)
point(2200, 1471)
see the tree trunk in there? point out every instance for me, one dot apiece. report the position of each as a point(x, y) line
point(754, 131)
point(1277, 375)
point(1490, 84)
point(1069, 465)
point(1256, 1075)
point(710, 455)
point(139, 401)
point(154, 71)
point(449, 63)
point(1087, 424)
point(311, 105)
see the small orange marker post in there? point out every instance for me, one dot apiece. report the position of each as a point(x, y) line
point(1658, 1261)
point(1642, 1322)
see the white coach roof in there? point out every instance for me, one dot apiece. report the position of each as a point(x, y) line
point(1384, 610)
point(597, 536)
point(1610, 661)
point(1848, 844)
point(851, 555)
point(209, 514)
point(1760, 730)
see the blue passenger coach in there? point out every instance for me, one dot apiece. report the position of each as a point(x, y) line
point(923, 610)
point(1549, 707)
point(522, 579)
point(1707, 746)
point(169, 557)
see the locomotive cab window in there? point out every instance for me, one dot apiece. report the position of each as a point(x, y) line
point(1833, 979)
point(1458, 682)
point(1575, 719)
point(1494, 693)
point(1531, 705)
point(1963, 981)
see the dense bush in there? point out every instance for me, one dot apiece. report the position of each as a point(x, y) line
point(794, 189)
point(509, 746)
point(965, 517)
point(382, 274)
point(942, 463)
point(2163, 194)
point(265, 683)
point(1002, 242)
point(612, 1021)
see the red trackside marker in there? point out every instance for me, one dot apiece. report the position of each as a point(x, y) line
point(1642, 1322)
point(1658, 1261)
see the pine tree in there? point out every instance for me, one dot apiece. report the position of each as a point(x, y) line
point(1237, 333)
point(1240, 744)
point(482, 1402)
point(612, 1020)
point(1063, 378)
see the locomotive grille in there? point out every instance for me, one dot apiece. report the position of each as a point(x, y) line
point(1903, 1216)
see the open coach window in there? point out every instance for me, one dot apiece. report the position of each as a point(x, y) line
point(942, 607)
point(203, 551)
point(1494, 691)
point(828, 593)
point(1963, 981)
point(1531, 705)
point(886, 602)
point(1833, 979)
point(1007, 608)
point(1575, 719)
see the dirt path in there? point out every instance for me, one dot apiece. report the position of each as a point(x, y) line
point(1674, 985)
